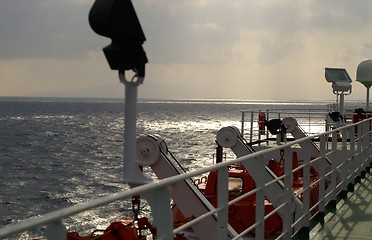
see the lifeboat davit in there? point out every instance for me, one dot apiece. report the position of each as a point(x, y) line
point(242, 214)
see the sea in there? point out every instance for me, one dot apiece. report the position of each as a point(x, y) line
point(57, 152)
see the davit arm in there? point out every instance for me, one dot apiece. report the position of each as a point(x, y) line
point(229, 137)
point(291, 126)
point(151, 151)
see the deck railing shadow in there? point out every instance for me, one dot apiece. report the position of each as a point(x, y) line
point(352, 216)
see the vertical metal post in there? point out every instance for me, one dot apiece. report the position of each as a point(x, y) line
point(359, 149)
point(118, 21)
point(343, 171)
point(288, 182)
point(366, 145)
point(363, 148)
point(131, 172)
point(242, 128)
point(267, 132)
point(351, 164)
point(367, 100)
point(159, 200)
point(222, 200)
point(306, 187)
point(334, 167)
point(260, 210)
point(251, 134)
point(279, 135)
point(321, 172)
point(56, 231)
point(309, 122)
point(342, 101)
point(369, 143)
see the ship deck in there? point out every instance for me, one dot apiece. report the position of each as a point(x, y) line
point(352, 216)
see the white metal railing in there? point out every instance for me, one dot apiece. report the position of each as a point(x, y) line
point(355, 153)
point(312, 121)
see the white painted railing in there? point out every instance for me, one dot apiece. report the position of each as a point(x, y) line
point(354, 155)
point(313, 121)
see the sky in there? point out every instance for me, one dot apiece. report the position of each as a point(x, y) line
point(197, 49)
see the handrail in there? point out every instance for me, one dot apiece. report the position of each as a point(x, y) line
point(312, 120)
point(353, 164)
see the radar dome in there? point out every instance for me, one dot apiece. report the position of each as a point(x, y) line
point(364, 73)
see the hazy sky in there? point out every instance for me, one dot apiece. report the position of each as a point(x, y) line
point(245, 49)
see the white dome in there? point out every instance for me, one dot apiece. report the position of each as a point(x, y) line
point(364, 73)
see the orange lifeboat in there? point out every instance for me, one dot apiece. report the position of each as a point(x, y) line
point(242, 214)
point(123, 228)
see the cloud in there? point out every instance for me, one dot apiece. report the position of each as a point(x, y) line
point(227, 48)
point(35, 29)
point(79, 2)
point(274, 50)
point(209, 26)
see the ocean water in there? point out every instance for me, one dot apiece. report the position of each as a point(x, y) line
point(56, 153)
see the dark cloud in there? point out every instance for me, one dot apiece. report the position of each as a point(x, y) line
point(37, 29)
point(172, 38)
point(340, 16)
point(60, 29)
point(191, 33)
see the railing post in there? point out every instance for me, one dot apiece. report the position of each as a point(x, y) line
point(251, 131)
point(321, 172)
point(368, 145)
point(159, 200)
point(359, 151)
point(243, 119)
point(309, 122)
point(363, 147)
point(343, 184)
point(268, 118)
point(306, 187)
point(260, 210)
point(288, 182)
point(333, 168)
point(222, 200)
point(56, 231)
point(351, 157)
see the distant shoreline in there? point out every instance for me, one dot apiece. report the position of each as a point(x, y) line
point(191, 100)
